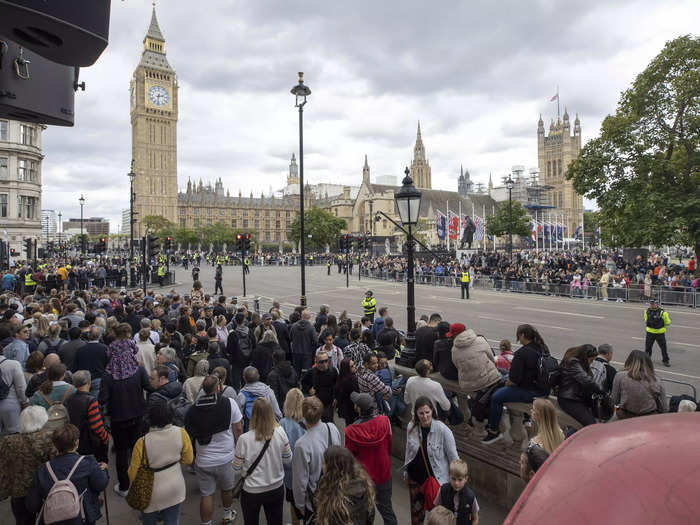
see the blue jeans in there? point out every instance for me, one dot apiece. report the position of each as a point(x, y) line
point(95, 385)
point(169, 516)
point(302, 362)
point(507, 394)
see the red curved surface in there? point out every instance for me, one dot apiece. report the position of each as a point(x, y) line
point(638, 471)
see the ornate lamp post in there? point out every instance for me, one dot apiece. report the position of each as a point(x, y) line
point(509, 185)
point(131, 176)
point(82, 239)
point(301, 91)
point(408, 205)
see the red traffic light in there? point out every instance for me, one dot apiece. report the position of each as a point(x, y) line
point(239, 236)
point(247, 236)
point(170, 238)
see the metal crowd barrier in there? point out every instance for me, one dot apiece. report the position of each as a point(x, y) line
point(633, 294)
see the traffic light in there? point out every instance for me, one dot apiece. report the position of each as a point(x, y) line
point(246, 243)
point(152, 244)
point(28, 248)
point(168, 243)
point(239, 242)
point(102, 245)
point(83, 243)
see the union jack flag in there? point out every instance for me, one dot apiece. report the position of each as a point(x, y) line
point(479, 233)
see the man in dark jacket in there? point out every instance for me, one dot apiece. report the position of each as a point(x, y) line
point(323, 379)
point(442, 353)
point(282, 331)
point(68, 350)
point(369, 440)
point(84, 413)
point(426, 337)
point(163, 388)
point(93, 358)
point(282, 377)
point(304, 338)
point(239, 348)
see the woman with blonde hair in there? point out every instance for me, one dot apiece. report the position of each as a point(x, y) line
point(549, 434)
point(345, 491)
point(294, 427)
point(261, 454)
point(638, 392)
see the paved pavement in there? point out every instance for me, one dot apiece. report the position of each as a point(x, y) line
point(563, 322)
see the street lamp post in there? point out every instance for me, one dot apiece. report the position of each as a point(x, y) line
point(60, 225)
point(509, 185)
point(132, 272)
point(82, 240)
point(408, 204)
point(301, 91)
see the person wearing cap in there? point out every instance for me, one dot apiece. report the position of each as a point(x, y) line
point(369, 439)
point(369, 305)
point(264, 327)
point(656, 320)
point(472, 355)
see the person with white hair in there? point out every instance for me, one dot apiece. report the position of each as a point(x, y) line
point(687, 405)
point(20, 456)
point(193, 385)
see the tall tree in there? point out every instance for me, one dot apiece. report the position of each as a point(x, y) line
point(323, 227)
point(644, 168)
point(499, 223)
point(157, 223)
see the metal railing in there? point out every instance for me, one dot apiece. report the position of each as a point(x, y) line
point(635, 293)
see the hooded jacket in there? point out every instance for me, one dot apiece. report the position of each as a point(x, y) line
point(259, 389)
point(356, 493)
point(370, 442)
point(475, 363)
point(303, 337)
point(281, 379)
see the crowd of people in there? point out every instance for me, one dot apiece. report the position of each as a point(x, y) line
point(251, 401)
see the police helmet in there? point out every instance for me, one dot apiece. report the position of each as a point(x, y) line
point(368, 292)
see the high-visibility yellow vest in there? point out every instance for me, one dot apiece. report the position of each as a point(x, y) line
point(369, 305)
point(28, 281)
point(161, 271)
point(465, 277)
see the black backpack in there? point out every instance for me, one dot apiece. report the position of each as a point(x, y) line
point(655, 318)
point(547, 371)
point(244, 343)
point(4, 387)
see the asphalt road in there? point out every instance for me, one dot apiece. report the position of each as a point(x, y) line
point(563, 322)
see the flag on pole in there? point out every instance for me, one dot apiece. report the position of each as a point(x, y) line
point(453, 226)
point(546, 231)
point(555, 97)
point(578, 231)
point(535, 228)
point(440, 222)
point(479, 233)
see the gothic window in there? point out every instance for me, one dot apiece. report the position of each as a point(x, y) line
point(288, 214)
point(182, 222)
point(209, 210)
point(549, 169)
point(196, 212)
point(267, 224)
point(267, 213)
point(267, 235)
point(559, 162)
point(233, 223)
point(245, 213)
point(277, 224)
point(257, 223)
point(245, 223)
point(196, 223)
point(561, 199)
point(277, 236)
point(182, 211)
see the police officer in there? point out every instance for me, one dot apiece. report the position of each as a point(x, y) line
point(465, 282)
point(246, 265)
point(218, 276)
point(369, 305)
point(328, 263)
point(161, 273)
point(29, 282)
point(656, 320)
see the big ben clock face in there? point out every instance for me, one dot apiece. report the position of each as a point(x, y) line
point(158, 96)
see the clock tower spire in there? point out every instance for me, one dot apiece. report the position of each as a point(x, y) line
point(154, 114)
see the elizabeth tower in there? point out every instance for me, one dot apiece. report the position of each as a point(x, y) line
point(154, 131)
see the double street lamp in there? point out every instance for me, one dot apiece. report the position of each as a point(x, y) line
point(301, 91)
point(82, 239)
point(509, 185)
point(408, 205)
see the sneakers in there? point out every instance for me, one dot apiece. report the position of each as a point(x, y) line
point(491, 437)
point(667, 363)
point(230, 518)
point(118, 492)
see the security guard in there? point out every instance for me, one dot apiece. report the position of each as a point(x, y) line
point(369, 305)
point(29, 283)
point(246, 265)
point(161, 273)
point(656, 320)
point(465, 282)
point(328, 263)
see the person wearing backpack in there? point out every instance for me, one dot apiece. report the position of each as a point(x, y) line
point(53, 342)
point(656, 320)
point(523, 384)
point(54, 391)
point(239, 349)
point(66, 489)
point(255, 389)
point(12, 396)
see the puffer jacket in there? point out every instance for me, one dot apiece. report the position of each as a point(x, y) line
point(475, 363)
point(575, 384)
point(356, 493)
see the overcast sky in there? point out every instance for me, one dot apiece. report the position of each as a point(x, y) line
point(476, 74)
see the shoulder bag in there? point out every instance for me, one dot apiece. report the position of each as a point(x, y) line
point(430, 486)
point(239, 484)
point(141, 488)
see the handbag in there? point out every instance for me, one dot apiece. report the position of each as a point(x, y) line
point(430, 486)
point(238, 487)
point(141, 488)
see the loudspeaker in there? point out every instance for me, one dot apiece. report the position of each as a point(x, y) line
point(70, 32)
point(34, 89)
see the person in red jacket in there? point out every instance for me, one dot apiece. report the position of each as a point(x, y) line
point(369, 440)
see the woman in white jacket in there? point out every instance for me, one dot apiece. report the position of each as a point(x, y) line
point(264, 486)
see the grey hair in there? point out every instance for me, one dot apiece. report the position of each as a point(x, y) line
point(200, 324)
point(687, 405)
point(251, 375)
point(145, 322)
point(605, 349)
point(269, 336)
point(32, 419)
point(201, 368)
point(325, 308)
point(81, 378)
point(169, 353)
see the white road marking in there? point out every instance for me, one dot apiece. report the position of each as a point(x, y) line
point(520, 322)
point(669, 344)
point(558, 312)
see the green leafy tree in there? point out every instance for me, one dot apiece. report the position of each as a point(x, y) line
point(324, 228)
point(421, 232)
point(498, 224)
point(185, 237)
point(644, 168)
point(157, 223)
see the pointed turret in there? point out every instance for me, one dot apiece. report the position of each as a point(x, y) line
point(154, 31)
point(154, 47)
point(420, 167)
point(293, 176)
point(491, 180)
point(365, 173)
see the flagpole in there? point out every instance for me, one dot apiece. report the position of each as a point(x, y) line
point(549, 224)
point(583, 235)
point(459, 221)
point(448, 225)
point(557, 102)
point(483, 227)
point(493, 212)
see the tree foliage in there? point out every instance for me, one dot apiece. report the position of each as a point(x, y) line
point(644, 168)
point(157, 223)
point(498, 223)
point(324, 228)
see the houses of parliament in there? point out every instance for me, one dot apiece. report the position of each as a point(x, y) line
point(154, 118)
